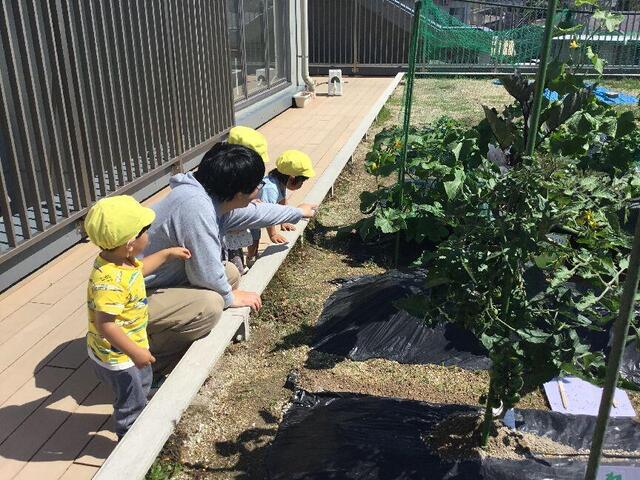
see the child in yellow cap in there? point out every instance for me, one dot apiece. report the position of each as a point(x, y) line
point(117, 302)
point(293, 167)
point(235, 241)
point(249, 138)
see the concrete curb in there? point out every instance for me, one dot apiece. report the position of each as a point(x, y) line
point(136, 452)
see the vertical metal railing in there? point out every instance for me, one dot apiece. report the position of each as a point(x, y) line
point(359, 34)
point(373, 36)
point(97, 97)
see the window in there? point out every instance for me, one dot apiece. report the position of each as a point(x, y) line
point(259, 46)
point(234, 18)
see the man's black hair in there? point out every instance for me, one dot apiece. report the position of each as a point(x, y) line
point(229, 169)
point(284, 178)
point(144, 229)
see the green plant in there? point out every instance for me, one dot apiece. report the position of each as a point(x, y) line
point(504, 275)
point(442, 157)
point(163, 470)
point(445, 156)
point(526, 253)
point(600, 139)
point(510, 128)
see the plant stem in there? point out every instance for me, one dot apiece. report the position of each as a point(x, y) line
point(540, 80)
point(411, 74)
point(620, 331)
point(488, 414)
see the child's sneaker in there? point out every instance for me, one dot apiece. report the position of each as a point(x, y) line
point(237, 258)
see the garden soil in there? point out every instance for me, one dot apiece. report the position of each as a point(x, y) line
point(229, 428)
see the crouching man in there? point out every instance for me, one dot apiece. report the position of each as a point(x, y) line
point(186, 299)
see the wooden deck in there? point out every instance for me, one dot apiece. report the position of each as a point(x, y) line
point(54, 415)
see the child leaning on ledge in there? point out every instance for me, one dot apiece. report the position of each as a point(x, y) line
point(293, 168)
point(117, 302)
point(235, 241)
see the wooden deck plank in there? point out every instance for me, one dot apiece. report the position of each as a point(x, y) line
point(100, 446)
point(77, 471)
point(37, 357)
point(55, 456)
point(26, 290)
point(18, 449)
point(29, 397)
point(19, 319)
point(71, 356)
point(77, 276)
point(32, 333)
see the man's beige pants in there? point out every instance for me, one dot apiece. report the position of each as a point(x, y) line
point(180, 315)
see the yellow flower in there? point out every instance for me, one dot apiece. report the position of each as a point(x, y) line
point(588, 219)
point(573, 44)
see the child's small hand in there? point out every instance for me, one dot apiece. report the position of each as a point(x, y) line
point(142, 358)
point(179, 252)
point(277, 238)
point(256, 201)
point(288, 227)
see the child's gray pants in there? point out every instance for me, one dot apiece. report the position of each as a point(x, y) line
point(131, 388)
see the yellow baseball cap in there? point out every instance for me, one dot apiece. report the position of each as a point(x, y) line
point(113, 221)
point(250, 138)
point(295, 163)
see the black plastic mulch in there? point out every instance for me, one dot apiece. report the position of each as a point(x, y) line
point(360, 321)
point(350, 436)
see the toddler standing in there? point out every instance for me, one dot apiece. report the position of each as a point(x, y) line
point(117, 340)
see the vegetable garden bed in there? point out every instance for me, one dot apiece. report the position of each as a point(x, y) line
point(227, 432)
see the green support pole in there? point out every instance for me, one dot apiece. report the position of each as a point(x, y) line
point(408, 97)
point(541, 77)
point(620, 332)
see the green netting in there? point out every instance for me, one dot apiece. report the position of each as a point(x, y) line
point(443, 38)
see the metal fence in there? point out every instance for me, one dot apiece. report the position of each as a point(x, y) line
point(359, 35)
point(100, 97)
point(372, 36)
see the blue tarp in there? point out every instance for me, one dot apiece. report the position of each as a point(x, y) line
point(602, 94)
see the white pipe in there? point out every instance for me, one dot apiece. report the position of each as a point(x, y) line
point(304, 40)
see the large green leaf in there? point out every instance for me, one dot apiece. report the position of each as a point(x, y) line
point(452, 187)
point(559, 112)
point(597, 62)
point(610, 21)
point(518, 87)
point(534, 335)
point(626, 124)
point(416, 305)
point(502, 130)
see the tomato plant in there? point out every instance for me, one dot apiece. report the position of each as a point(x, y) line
point(534, 259)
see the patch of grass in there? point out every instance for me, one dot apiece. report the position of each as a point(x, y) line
point(383, 116)
point(164, 469)
point(458, 97)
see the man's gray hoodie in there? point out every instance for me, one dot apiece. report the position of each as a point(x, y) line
point(188, 217)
